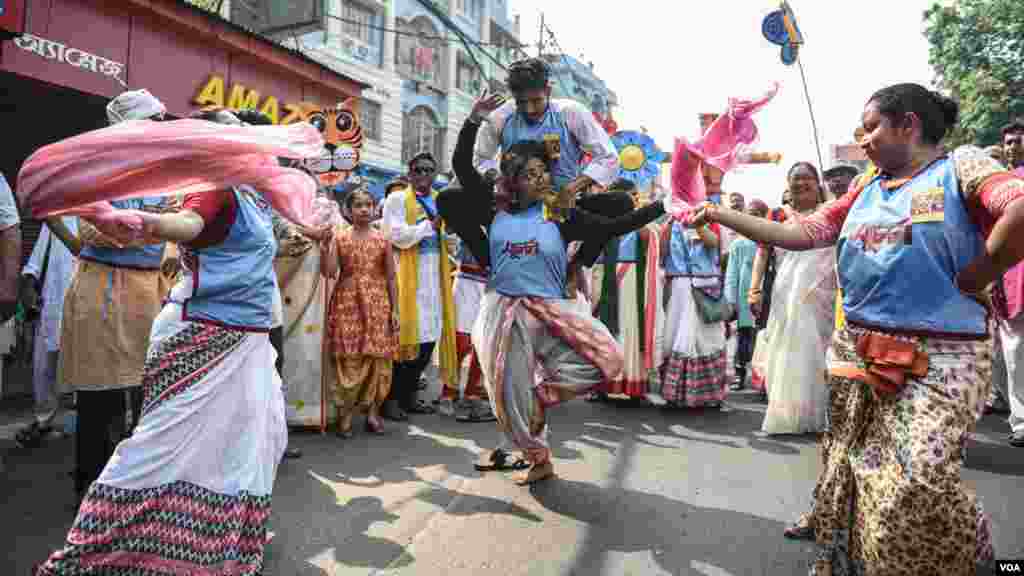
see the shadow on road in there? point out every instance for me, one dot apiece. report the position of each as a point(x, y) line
point(681, 538)
point(405, 467)
point(738, 427)
point(989, 452)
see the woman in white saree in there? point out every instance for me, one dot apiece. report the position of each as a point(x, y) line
point(789, 358)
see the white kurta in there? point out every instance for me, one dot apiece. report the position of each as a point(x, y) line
point(58, 277)
point(428, 286)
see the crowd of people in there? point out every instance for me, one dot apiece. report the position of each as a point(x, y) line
point(861, 309)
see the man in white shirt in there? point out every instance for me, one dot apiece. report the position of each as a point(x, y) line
point(10, 251)
point(418, 237)
point(49, 268)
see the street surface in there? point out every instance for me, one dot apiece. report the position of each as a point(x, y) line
point(640, 490)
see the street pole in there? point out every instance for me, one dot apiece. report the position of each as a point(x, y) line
point(540, 41)
point(814, 125)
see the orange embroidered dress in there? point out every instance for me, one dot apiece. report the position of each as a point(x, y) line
point(360, 339)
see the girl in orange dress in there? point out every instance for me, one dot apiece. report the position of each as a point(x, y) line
point(362, 327)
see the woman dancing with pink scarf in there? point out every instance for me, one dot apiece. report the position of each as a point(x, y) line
point(189, 492)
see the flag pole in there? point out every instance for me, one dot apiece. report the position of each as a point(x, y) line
point(810, 109)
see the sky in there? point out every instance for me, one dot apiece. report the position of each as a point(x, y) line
point(669, 60)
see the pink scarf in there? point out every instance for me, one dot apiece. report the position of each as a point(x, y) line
point(139, 158)
point(731, 134)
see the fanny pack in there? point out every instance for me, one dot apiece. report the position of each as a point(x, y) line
point(889, 362)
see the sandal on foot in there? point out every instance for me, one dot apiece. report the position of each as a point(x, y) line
point(421, 408)
point(32, 435)
point(536, 473)
point(801, 530)
point(477, 413)
point(499, 460)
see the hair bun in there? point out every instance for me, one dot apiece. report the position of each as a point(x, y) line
point(950, 109)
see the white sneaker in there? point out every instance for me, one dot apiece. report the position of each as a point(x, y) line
point(446, 407)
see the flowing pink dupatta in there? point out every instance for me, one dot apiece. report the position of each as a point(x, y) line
point(139, 158)
point(722, 146)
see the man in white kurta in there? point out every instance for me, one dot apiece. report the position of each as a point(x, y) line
point(425, 237)
point(52, 264)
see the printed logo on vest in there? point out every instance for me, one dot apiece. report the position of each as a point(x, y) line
point(517, 250)
point(928, 205)
point(553, 146)
point(873, 237)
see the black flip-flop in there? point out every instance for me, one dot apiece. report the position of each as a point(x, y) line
point(498, 461)
point(474, 416)
point(421, 408)
point(32, 435)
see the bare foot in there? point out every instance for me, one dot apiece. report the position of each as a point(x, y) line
point(536, 473)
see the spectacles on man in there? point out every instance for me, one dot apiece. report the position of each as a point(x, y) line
point(423, 170)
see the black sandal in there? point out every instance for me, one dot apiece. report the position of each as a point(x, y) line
point(421, 408)
point(498, 461)
point(477, 414)
point(32, 435)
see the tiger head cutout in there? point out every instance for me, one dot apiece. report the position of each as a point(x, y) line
point(343, 140)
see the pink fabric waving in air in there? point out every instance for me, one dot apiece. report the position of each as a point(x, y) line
point(133, 159)
point(729, 136)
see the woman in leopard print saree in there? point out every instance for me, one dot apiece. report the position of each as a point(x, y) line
point(909, 372)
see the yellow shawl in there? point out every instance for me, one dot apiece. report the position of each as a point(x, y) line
point(408, 278)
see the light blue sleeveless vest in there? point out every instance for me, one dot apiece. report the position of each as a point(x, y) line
point(552, 125)
point(900, 250)
point(234, 281)
point(146, 257)
point(690, 258)
point(528, 255)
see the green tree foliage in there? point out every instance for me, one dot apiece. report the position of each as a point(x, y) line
point(977, 52)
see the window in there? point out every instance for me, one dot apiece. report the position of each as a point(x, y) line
point(467, 77)
point(421, 132)
point(369, 119)
point(419, 57)
point(356, 21)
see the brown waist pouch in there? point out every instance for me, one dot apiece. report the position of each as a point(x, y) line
point(890, 361)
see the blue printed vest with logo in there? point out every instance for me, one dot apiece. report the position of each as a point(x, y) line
point(899, 252)
point(234, 282)
point(528, 255)
point(146, 257)
point(687, 255)
point(554, 132)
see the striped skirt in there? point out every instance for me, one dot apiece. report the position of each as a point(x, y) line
point(189, 492)
point(694, 372)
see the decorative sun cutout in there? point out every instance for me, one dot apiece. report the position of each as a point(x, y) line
point(639, 157)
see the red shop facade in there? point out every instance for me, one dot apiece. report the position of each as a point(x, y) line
point(73, 56)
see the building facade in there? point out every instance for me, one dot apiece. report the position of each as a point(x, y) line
point(573, 79)
point(423, 80)
point(440, 76)
point(849, 154)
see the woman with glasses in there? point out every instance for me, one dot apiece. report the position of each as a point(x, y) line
point(536, 347)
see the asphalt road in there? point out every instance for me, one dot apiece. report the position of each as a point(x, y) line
point(640, 490)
